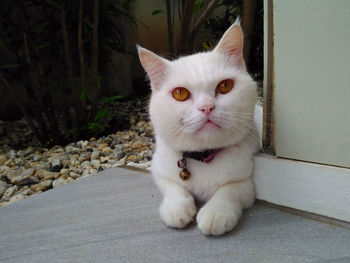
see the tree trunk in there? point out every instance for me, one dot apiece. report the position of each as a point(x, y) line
point(81, 47)
point(23, 110)
point(66, 48)
point(170, 27)
point(248, 18)
point(184, 46)
point(204, 16)
point(94, 65)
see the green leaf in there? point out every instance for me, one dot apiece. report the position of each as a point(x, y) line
point(108, 100)
point(10, 66)
point(100, 114)
point(42, 46)
point(93, 125)
point(156, 12)
point(198, 6)
point(73, 131)
point(83, 94)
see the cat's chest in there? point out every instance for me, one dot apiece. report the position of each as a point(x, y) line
point(227, 166)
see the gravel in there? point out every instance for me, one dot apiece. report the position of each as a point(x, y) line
point(32, 170)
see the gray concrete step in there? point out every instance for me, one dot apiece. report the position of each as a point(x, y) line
point(113, 217)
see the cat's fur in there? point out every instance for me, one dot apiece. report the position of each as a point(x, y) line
point(225, 183)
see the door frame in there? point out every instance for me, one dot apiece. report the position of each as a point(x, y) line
point(315, 188)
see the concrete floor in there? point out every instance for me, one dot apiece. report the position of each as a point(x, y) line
point(113, 217)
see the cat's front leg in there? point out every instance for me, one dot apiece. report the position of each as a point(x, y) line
point(224, 209)
point(178, 207)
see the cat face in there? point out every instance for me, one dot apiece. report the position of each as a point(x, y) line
point(204, 100)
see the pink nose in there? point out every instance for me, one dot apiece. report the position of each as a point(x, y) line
point(207, 108)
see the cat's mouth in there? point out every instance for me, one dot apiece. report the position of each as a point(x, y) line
point(208, 125)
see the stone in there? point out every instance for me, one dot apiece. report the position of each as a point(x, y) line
point(102, 146)
point(104, 159)
point(73, 162)
point(19, 161)
point(131, 158)
point(10, 192)
point(107, 150)
point(56, 168)
point(141, 124)
point(58, 182)
point(3, 187)
point(125, 137)
point(3, 159)
point(86, 164)
point(65, 171)
point(36, 157)
point(55, 161)
point(10, 163)
point(20, 153)
point(11, 154)
point(74, 175)
point(106, 166)
point(45, 175)
point(33, 164)
point(42, 186)
point(80, 170)
point(12, 173)
point(16, 198)
point(95, 155)
point(149, 155)
point(65, 163)
point(68, 148)
point(26, 190)
point(84, 144)
point(137, 165)
point(25, 178)
point(118, 154)
point(95, 163)
point(4, 169)
point(138, 145)
point(119, 163)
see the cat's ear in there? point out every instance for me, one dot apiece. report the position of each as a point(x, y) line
point(155, 66)
point(231, 43)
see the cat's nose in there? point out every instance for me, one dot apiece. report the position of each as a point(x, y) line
point(206, 108)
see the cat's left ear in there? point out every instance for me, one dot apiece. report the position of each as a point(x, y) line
point(231, 44)
point(155, 66)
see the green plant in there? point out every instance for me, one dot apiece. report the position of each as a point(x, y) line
point(55, 56)
point(103, 115)
point(253, 43)
point(192, 14)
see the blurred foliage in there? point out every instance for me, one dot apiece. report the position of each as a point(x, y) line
point(45, 67)
point(216, 26)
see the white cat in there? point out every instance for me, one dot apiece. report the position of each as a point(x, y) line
point(202, 110)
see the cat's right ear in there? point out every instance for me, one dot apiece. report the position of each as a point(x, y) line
point(155, 66)
point(231, 44)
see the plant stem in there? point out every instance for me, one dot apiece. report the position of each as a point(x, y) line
point(94, 65)
point(204, 16)
point(170, 27)
point(184, 47)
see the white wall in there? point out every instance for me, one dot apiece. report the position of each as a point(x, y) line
point(312, 80)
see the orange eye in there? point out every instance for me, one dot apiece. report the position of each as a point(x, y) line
point(181, 94)
point(225, 86)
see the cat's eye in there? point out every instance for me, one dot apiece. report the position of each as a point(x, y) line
point(225, 86)
point(181, 94)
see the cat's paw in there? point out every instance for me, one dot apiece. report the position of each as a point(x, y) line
point(217, 220)
point(178, 213)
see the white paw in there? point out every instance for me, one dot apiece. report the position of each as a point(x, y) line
point(217, 220)
point(178, 213)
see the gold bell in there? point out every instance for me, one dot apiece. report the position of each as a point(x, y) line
point(185, 175)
